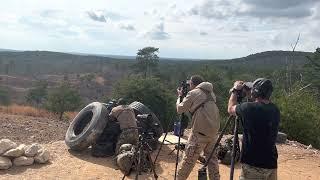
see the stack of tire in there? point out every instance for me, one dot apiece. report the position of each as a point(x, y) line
point(91, 121)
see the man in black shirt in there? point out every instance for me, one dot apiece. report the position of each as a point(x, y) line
point(260, 121)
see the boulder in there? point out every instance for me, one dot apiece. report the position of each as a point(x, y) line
point(16, 152)
point(6, 144)
point(5, 163)
point(23, 161)
point(32, 150)
point(42, 157)
point(281, 138)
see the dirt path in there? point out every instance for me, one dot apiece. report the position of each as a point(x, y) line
point(295, 162)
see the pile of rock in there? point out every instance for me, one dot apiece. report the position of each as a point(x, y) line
point(21, 155)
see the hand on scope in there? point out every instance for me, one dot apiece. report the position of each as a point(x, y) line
point(238, 85)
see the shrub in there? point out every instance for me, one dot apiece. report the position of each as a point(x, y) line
point(300, 117)
point(149, 91)
point(63, 99)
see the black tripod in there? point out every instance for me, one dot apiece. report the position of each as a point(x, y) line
point(202, 172)
point(143, 150)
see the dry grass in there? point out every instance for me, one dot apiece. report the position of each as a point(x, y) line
point(32, 111)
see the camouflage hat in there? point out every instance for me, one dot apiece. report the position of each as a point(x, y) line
point(125, 147)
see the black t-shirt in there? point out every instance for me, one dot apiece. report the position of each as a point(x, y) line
point(260, 128)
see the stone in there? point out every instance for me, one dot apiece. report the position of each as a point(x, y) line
point(23, 161)
point(5, 163)
point(32, 150)
point(309, 147)
point(6, 144)
point(281, 138)
point(42, 157)
point(16, 152)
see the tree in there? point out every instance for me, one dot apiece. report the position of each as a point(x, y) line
point(63, 99)
point(149, 91)
point(312, 70)
point(147, 61)
point(38, 94)
point(4, 97)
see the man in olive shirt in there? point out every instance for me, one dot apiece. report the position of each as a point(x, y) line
point(260, 121)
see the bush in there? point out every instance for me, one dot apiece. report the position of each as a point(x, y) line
point(300, 117)
point(63, 99)
point(149, 91)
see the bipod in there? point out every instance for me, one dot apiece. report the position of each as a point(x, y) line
point(202, 172)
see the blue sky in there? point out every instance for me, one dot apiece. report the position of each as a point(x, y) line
point(206, 29)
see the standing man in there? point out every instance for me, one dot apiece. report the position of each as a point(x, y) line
point(128, 125)
point(201, 103)
point(260, 121)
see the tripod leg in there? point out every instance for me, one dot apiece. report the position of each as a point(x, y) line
point(139, 163)
point(171, 151)
point(218, 141)
point(178, 149)
point(152, 165)
point(164, 138)
point(235, 140)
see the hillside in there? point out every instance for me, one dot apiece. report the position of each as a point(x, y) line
point(94, 75)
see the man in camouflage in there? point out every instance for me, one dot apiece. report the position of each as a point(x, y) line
point(201, 102)
point(128, 125)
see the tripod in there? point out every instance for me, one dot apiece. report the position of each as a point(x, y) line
point(143, 149)
point(202, 172)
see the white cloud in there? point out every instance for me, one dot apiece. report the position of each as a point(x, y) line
point(204, 28)
point(157, 32)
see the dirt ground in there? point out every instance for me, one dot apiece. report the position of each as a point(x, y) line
point(295, 161)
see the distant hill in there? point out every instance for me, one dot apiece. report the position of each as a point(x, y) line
point(94, 75)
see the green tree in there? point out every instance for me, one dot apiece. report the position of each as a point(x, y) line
point(38, 94)
point(149, 91)
point(4, 97)
point(147, 61)
point(63, 99)
point(312, 70)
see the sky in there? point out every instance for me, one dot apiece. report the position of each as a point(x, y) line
point(199, 29)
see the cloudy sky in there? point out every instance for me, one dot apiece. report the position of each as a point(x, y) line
point(214, 29)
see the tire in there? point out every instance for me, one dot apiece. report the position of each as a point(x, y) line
point(86, 127)
point(140, 108)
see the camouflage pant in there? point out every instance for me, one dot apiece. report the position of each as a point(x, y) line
point(254, 173)
point(192, 152)
point(127, 136)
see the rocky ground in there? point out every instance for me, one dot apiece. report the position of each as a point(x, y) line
point(296, 161)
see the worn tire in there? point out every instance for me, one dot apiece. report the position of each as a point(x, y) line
point(86, 127)
point(140, 108)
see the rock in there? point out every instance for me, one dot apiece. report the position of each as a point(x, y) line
point(42, 157)
point(32, 150)
point(23, 161)
point(5, 163)
point(309, 147)
point(16, 152)
point(281, 138)
point(6, 144)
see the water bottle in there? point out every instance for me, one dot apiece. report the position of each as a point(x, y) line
point(176, 128)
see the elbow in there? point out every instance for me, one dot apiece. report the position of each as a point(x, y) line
point(231, 110)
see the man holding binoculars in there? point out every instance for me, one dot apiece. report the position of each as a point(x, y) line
point(200, 101)
point(260, 121)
